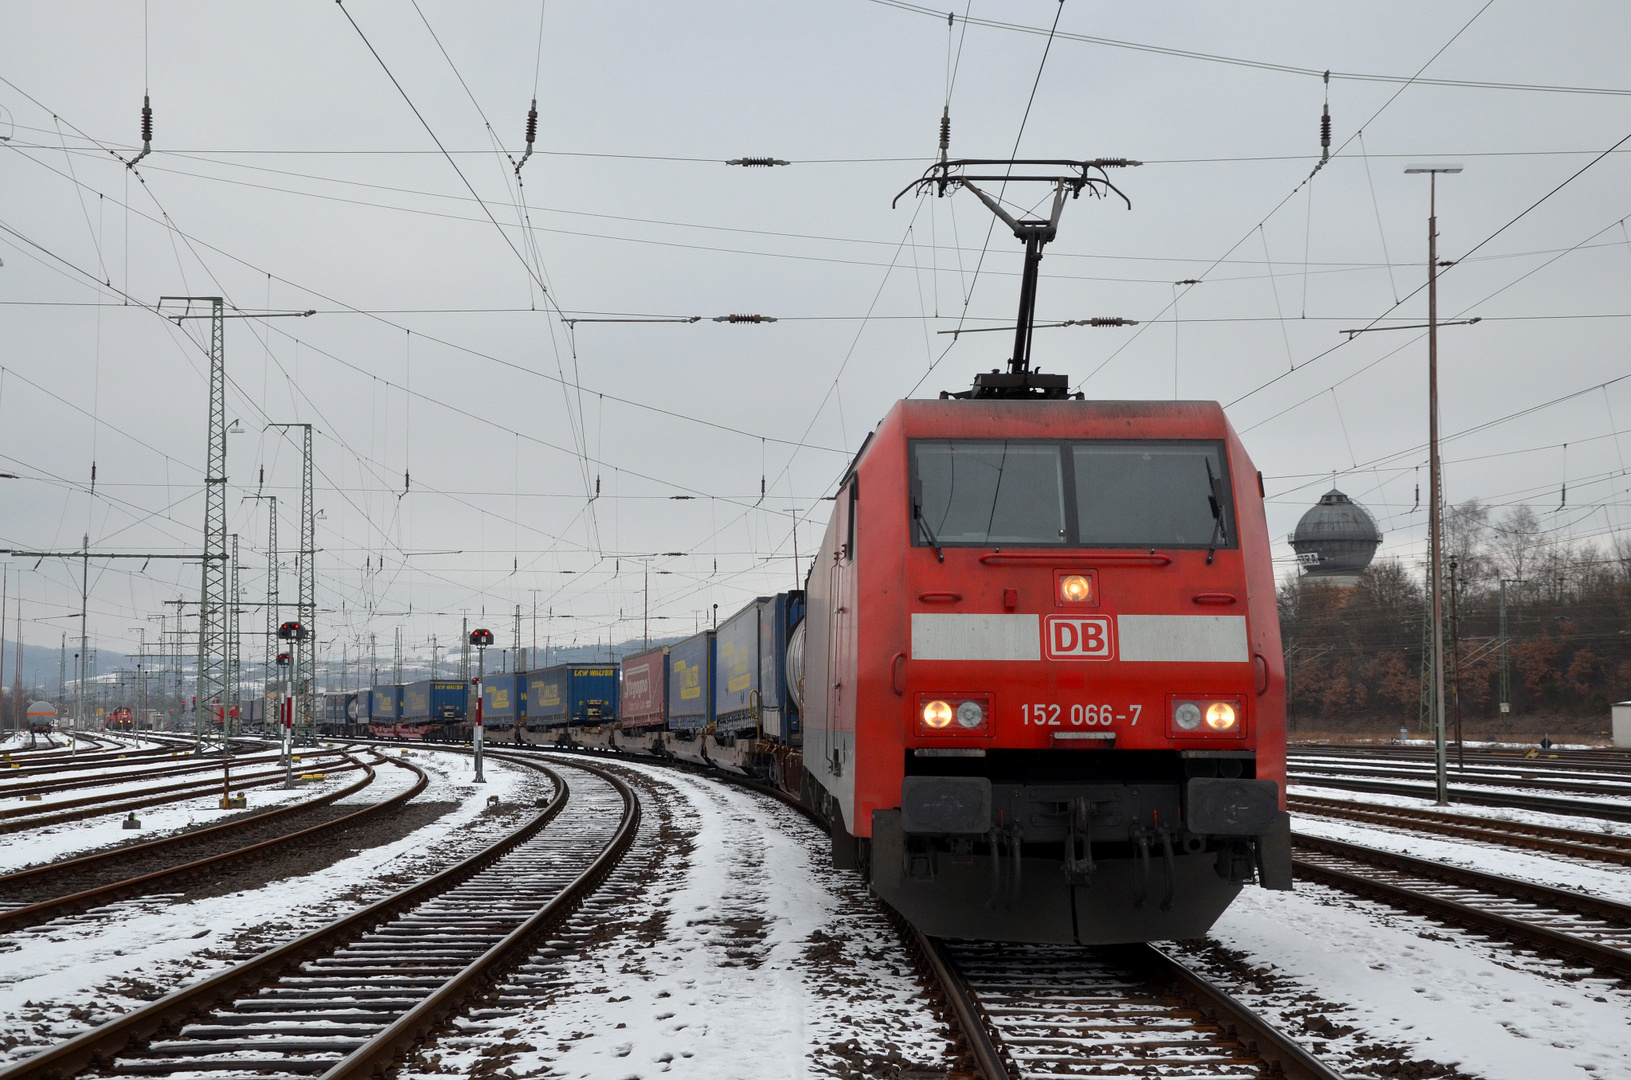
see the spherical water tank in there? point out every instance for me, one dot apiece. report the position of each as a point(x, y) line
point(1336, 536)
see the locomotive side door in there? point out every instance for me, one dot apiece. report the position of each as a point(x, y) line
point(842, 659)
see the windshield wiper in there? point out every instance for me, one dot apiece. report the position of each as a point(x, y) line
point(928, 533)
point(1220, 535)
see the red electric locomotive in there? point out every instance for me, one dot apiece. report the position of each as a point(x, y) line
point(1043, 689)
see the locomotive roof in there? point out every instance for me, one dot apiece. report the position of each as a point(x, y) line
point(1064, 419)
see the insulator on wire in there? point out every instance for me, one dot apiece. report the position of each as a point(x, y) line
point(532, 135)
point(743, 318)
point(1113, 163)
point(1325, 123)
point(945, 132)
point(1117, 321)
point(147, 131)
point(760, 162)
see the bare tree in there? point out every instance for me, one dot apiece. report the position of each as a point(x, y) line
point(1514, 541)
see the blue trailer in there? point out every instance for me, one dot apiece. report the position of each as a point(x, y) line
point(503, 701)
point(433, 701)
point(691, 683)
point(750, 671)
point(580, 695)
point(385, 704)
point(340, 707)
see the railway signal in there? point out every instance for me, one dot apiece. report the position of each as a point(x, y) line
point(480, 639)
point(285, 661)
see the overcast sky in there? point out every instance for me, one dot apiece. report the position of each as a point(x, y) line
point(291, 169)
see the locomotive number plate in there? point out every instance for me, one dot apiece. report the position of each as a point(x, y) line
point(1054, 715)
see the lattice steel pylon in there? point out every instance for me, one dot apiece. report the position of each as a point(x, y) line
point(305, 649)
point(212, 631)
point(307, 689)
point(269, 661)
point(231, 719)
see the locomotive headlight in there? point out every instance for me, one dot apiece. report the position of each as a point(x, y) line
point(1220, 716)
point(937, 714)
point(1187, 716)
point(969, 714)
point(1075, 589)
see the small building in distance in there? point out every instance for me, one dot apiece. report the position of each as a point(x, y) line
point(1335, 540)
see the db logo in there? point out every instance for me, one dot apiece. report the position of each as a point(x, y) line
point(1078, 637)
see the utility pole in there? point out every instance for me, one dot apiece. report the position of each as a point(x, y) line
point(396, 670)
point(373, 660)
point(1506, 675)
point(1455, 669)
point(1435, 479)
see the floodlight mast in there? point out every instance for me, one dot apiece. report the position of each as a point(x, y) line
point(1067, 177)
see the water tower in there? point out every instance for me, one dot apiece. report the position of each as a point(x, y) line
point(1336, 539)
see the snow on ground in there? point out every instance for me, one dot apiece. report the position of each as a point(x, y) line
point(1449, 997)
point(64, 976)
point(1494, 813)
point(1606, 880)
point(71, 838)
point(746, 955)
point(141, 772)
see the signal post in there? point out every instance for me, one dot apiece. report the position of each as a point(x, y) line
point(480, 639)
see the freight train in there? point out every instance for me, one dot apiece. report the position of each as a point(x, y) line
point(1034, 682)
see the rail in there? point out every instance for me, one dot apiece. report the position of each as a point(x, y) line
point(55, 907)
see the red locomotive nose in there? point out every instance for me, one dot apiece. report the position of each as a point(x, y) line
point(1042, 639)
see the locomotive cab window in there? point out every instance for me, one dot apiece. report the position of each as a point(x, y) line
point(1089, 493)
point(987, 492)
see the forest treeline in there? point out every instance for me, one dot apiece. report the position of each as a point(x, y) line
point(1355, 654)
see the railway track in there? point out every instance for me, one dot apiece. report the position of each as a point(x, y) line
point(17, 818)
point(1045, 1011)
point(1578, 843)
point(350, 998)
point(1578, 783)
point(116, 772)
point(1551, 804)
point(42, 893)
point(1558, 922)
point(1042, 1011)
point(17, 764)
point(1554, 760)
